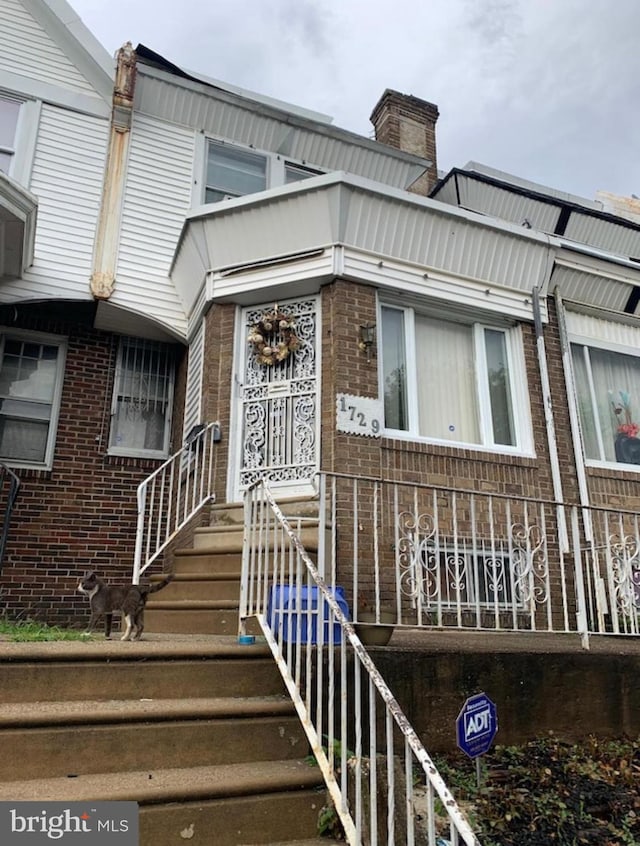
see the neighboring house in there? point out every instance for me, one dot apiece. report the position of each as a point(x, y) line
point(481, 339)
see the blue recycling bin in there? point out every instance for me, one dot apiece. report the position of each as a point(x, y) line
point(287, 603)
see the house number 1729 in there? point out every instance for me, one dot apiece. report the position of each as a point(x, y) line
point(359, 415)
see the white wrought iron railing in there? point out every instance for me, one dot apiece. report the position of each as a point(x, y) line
point(383, 784)
point(171, 496)
point(439, 557)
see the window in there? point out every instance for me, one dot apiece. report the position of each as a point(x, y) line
point(294, 173)
point(469, 573)
point(608, 396)
point(451, 381)
point(142, 399)
point(9, 113)
point(234, 171)
point(31, 373)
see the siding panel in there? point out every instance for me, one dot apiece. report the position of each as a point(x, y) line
point(27, 49)
point(67, 179)
point(158, 196)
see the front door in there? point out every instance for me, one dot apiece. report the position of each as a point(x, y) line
point(278, 397)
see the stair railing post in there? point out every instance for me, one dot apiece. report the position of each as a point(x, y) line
point(137, 558)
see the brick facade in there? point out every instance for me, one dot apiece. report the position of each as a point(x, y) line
point(81, 514)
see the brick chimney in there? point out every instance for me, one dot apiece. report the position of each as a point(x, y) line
point(408, 123)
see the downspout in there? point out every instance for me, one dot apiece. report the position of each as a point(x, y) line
point(578, 452)
point(108, 230)
point(556, 476)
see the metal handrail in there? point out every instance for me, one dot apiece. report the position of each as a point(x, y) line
point(14, 487)
point(276, 563)
point(172, 495)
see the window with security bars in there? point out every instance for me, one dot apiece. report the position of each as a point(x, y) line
point(469, 573)
point(142, 399)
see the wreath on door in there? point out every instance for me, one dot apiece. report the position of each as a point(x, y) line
point(273, 337)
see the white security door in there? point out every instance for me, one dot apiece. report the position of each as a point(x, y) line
point(278, 397)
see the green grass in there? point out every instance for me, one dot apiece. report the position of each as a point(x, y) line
point(29, 631)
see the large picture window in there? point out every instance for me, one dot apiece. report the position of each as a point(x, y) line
point(31, 373)
point(142, 399)
point(451, 381)
point(608, 395)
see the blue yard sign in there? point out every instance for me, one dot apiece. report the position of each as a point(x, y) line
point(477, 725)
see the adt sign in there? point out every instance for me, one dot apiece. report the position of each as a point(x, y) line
point(477, 725)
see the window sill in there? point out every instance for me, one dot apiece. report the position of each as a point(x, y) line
point(470, 451)
point(145, 455)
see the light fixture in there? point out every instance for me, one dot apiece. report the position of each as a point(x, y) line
point(367, 338)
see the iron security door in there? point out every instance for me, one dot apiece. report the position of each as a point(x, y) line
point(278, 401)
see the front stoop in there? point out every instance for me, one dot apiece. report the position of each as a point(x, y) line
point(204, 596)
point(204, 739)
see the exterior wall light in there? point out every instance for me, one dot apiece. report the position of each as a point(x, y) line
point(367, 338)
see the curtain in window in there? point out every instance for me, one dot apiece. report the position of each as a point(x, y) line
point(608, 403)
point(143, 387)
point(447, 399)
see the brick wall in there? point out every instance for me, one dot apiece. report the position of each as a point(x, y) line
point(81, 514)
point(409, 124)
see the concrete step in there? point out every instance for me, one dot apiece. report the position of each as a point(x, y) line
point(230, 513)
point(190, 586)
point(113, 671)
point(190, 560)
point(36, 751)
point(226, 805)
point(196, 617)
point(175, 724)
point(230, 538)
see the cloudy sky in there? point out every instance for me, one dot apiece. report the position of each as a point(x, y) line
point(545, 89)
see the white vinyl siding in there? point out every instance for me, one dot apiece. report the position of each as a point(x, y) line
point(31, 375)
point(193, 401)
point(67, 179)
point(27, 50)
point(158, 196)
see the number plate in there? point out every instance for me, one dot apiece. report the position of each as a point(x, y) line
point(359, 415)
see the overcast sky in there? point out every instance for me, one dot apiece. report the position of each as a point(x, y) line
point(548, 90)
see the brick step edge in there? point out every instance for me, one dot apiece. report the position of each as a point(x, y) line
point(96, 711)
point(159, 786)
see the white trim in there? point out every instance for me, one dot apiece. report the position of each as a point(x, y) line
point(283, 275)
point(35, 89)
point(61, 342)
